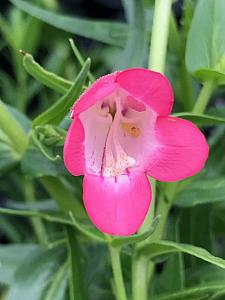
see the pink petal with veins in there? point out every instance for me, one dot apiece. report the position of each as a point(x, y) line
point(181, 150)
point(73, 151)
point(102, 88)
point(151, 88)
point(119, 205)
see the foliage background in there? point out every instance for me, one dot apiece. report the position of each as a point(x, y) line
point(40, 240)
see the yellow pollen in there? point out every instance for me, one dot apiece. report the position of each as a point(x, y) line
point(131, 129)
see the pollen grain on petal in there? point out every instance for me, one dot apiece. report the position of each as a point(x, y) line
point(131, 129)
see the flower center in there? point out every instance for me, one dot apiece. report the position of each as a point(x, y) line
point(113, 134)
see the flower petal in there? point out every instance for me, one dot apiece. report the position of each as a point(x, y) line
point(73, 152)
point(102, 87)
point(151, 88)
point(180, 150)
point(117, 205)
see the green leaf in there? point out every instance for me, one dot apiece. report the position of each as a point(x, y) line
point(80, 59)
point(21, 118)
point(58, 287)
point(134, 53)
point(64, 197)
point(7, 84)
point(41, 165)
point(10, 229)
point(35, 273)
point(49, 79)
point(87, 230)
point(169, 281)
point(9, 157)
point(118, 241)
point(49, 140)
point(41, 205)
point(77, 287)
point(166, 247)
point(200, 292)
point(208, 74)
point(206, 40)
point(201, 119)
point(8, 124)
point(103, 31)
point(205, 273)
point(202, 192)
point(9, 262)
point(55, 114)
point(50, 216)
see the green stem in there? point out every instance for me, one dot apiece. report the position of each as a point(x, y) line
point(157, 61)
point(186, 87)
point(12, 129)
point(160, 30)
point(163, 209)
point(204, 97)
point(117, 273)
point(37, 223)
point(140, 278)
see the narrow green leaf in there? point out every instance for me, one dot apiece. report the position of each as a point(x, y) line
point(8, 124)
point(9, 157)
point(41, 165)
point(175, 281)
point(208, 74)
point(201, 292)
point(202, 192)
point(118, 241)
point(49, 79)
point(55, 114)
point(77, 288)
point(9, 262)
point(21, 118)
point(57, 288)
point(134, 53)
point(201, 119)
point(166, 247)
point(50, 216)
point(41, 205)
point(206, 39)
point(34, 274)
point(80, 58)
point(88, 231)
point(63, 196)
point(103, 31)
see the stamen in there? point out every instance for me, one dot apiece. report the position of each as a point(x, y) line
point(112, 108)
point(131, 129)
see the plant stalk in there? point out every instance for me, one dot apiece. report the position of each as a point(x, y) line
point(117, 273)
point(37, 223)
point(157, 62)
point(204, 97)
point(160, 31)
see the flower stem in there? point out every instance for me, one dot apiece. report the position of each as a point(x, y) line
point(157, 62)
point(117, 273)
point(204, 97)
point(140, 278)
point(37, 223)
point(160, 31)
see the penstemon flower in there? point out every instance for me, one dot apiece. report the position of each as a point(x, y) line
point(121, 132)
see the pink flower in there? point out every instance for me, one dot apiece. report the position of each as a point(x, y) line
point(121, 132)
